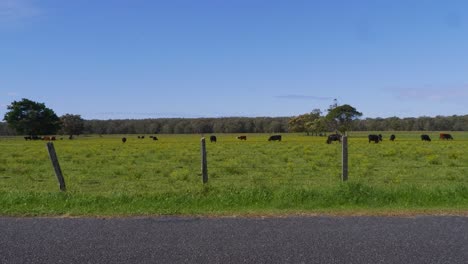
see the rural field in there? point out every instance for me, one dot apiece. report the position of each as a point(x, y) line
point(300, 174)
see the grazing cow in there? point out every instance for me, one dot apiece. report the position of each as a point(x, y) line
point(274, 138)
point(445, 136)
point(242, 137)
point(52, 138)
point(124, 140)
point(392, 137)
point(28, 138)
point(380, 137)
point(142, 137)
point(333, 137)
point(46, 138)
point(155, 138)
point(139, 137)
point(213, 139)
point(70, 137)
point(375, 138)
point(425, 138)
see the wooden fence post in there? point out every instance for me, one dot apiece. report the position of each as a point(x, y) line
point(204, 162)
point(56, 165)
point(344, 175)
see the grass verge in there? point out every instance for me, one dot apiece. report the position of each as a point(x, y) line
point(207, 200)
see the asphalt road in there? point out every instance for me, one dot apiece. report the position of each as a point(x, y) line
point(235, 240)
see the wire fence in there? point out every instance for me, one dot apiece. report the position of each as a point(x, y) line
point(125, 165)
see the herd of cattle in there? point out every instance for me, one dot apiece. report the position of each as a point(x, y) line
point(378, 138)
point(40, 138)
point(333, 137)
point(48, 138)
point(271, 138)
point(214, 139)
point(124, 139)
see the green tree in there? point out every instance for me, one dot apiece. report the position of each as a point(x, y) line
point(317, 126)
point(31, 118)
point(342, 116)
point(72, 124)
point(305, 122)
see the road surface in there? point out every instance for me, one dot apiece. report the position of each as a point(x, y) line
point(424, 239)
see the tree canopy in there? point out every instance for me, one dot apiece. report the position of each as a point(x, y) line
point(72, 124)
point(31, 118)
point(341, 117)
point(308, 122)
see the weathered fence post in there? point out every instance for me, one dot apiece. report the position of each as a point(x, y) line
point(204, 162)
point(344, 175)
point(56, 165)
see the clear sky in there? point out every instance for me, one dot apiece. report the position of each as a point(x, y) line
point(111, 59)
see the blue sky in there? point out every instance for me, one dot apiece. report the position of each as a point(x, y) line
point(149, 59)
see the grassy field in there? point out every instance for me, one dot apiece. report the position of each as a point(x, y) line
point(301, 174)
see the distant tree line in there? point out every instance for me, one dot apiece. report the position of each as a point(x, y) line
point(424, 123)
point(31, 118)
point(188, 125)
point(255, 125)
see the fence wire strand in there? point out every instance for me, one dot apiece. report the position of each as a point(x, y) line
point(144, 169)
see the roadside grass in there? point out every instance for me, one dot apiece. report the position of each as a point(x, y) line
point(301, 174)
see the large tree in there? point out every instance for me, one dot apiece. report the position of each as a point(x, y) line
point(317, 126)
point(31, 118)
point(304, 123)
point(72, 124)
point(340, 117)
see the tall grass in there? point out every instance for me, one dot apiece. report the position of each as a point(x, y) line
point(300, 174)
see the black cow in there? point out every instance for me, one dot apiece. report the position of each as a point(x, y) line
point(333, 137)
point(375, 138)
point(213, 138)
point(242, 137)
point(445, 136)
point(155, 138)
point(425, 138)
point(124, 140)
point(36, 138)
point(274, 138)
point(28, 138)
point(392, 137)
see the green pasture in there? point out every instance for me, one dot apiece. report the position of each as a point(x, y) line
point(300, 174)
